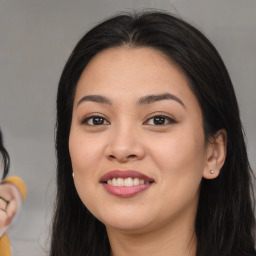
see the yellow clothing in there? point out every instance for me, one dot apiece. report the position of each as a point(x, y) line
point(18, 182)
point(5, 246)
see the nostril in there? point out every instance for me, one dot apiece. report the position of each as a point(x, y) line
point(122, 158)
point(131, 156)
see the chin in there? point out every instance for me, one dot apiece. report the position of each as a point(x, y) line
point(127, 226)
point(126, 222)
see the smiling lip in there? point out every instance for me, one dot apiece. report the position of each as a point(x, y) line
point(125, 191)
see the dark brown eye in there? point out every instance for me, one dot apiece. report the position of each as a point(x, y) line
point(160, 120)
point(95, 120)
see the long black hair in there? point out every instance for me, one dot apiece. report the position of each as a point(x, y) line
point(225, 222)
point(5, 158)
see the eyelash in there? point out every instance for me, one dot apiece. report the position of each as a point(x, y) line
point(167, 120)
point(162, 118)
point(93, 118)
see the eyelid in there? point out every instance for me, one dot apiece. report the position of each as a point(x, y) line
point(156, 114)
point(86, 118)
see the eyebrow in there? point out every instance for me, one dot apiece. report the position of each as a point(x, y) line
point(154, 98)
point(143, 100)
point(95, 98)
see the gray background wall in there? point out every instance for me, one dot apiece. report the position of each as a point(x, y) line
point(36, 38)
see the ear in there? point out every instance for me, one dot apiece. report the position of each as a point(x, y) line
point(216, 154)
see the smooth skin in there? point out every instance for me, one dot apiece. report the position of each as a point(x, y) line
point(163, 138)
point(7, 211)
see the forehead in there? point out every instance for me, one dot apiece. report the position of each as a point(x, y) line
point(129, 59)
point(133, 71)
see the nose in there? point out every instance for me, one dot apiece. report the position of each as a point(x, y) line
point(125, 145)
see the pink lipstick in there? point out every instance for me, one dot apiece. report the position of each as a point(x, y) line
point(125, 183)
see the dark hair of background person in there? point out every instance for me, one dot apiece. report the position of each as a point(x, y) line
point(4, 157)
point(225, 220)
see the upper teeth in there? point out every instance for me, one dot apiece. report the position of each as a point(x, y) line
point(128, 182)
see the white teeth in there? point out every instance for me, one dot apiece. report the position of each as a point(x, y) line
point(120, 182)
point(136, 182)
point(114, 182)
point(128, 182)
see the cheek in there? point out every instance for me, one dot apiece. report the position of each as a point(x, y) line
point(84, 157)
point(181, 163)
point(84, 153)
point(181, 159)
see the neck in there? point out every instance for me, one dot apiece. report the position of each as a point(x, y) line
point(175, 240)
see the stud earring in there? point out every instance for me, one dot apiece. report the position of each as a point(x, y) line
point(73, 174)
point(211, 171)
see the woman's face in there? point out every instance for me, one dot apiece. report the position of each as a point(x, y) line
point(136, 141)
